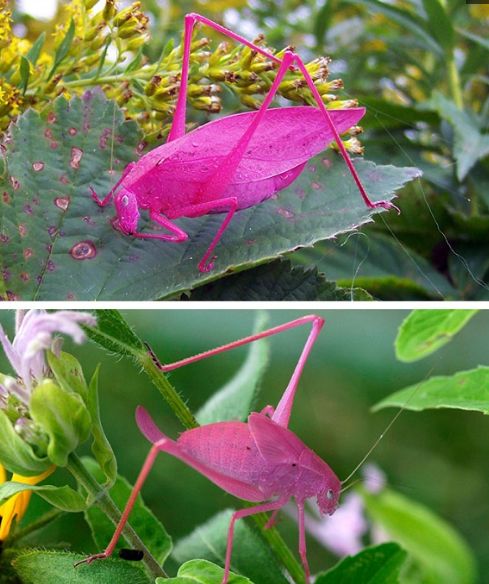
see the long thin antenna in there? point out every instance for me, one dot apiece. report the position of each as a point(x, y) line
point(389, 426)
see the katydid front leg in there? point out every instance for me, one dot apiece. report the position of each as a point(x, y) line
point(281, 414)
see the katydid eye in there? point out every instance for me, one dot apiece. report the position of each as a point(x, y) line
point(125, 200)
point(329, 494)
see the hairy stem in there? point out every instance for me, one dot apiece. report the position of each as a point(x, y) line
point(170, 394)
point(105, 503)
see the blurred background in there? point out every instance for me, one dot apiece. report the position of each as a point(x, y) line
point(439, 458)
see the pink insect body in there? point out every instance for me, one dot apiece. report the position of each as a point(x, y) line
point(231, 163)
point(261, 461)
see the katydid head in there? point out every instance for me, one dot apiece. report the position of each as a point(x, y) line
point(328, 497)
point(126, 207)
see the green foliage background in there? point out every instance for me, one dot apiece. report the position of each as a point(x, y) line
point(437, 458)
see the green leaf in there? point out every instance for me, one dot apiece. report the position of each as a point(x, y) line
point(236, 399)
point(142, 520)
point(440, 24)
point(15, 454)
point(46, 567)
point(58, 244)
point(201, 572)
point(113, 333)
point(406, 19)
point(442, 554)
point(279, 280)
point(68, 373)
point(470, 144)
point(64, 498)
point(35, 50)
point(424, 331)
point(63, 48)
point(380, 265)
point(466, 390)
point(250, 556)
point(63, 416)
point(101, 448)
point(375, 565)
point(24, 71)
point(323, 20)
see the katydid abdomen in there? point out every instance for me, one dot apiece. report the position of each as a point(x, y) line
point(191, 170)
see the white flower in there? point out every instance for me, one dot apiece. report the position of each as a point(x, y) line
point(34, 334)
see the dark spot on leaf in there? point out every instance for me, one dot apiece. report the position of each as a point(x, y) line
point(50, 266)
point(84, 250)
point(312, 168)
point(12, 296)
point(6, 275)
point(316, 186)
point(24, 276)
point(70, 296)
point(15, 183)
point(48, 133)
point(327, 163)
point(52, 118)
point(27, 209)
point(88, 220)
point(53, 145)
point(300, 192)
point(52, 230)
point(72, 131)
point(62, 202)
point(22, 230)
point(27, 253)
point(64, 179)
point(4, 238)
point(285, 213)
point(38, 166)
point(76, 156)
point(104, 138)
point(6, 197)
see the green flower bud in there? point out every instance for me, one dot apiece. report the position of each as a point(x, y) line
point(63, 416)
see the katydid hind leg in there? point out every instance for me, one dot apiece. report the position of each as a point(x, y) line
point(341, 146)
point(178, 125)
point(143, 474)
point(282, 413)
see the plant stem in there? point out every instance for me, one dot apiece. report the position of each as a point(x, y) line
point(170, 394)
point(280, 548)
point(454, 83)
point(44, 520)
point(106, 505)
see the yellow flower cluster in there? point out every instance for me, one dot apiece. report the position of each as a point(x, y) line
point(77, 57)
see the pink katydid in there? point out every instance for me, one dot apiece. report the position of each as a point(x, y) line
point(260, 460)
point(231, 163)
